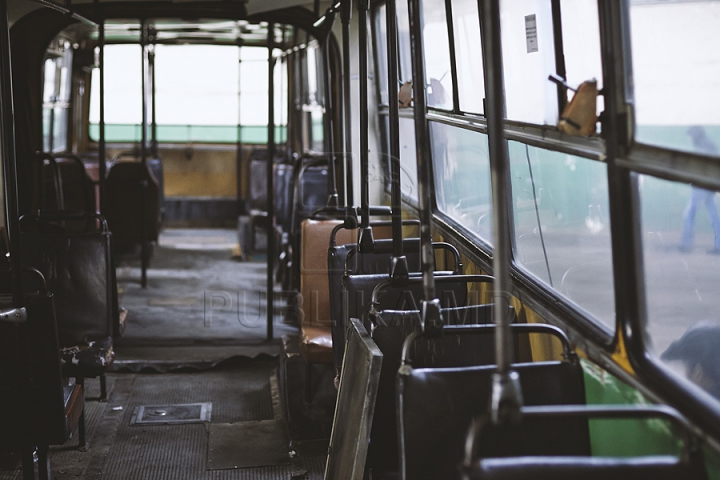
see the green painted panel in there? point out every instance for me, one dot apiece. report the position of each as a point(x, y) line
point(626, 438)
point(253, 134)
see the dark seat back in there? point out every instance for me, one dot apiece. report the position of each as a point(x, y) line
point(436, 405)
point(156, 167)
point(283, 195)
point(77, 267)
point(77, 189)
point(31, 383)
point(132, 204)
point(389, 330)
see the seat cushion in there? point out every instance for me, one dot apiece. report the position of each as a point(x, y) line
point(89, 359)
point(316, 344)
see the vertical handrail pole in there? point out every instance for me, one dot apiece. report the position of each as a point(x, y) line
point(365, 236)
point(506, 393)
point(153, 109)
point(101, 141)
point(333, 200)
point(239, 159)
point(345, 17)
point(9, 156)
point(143, 128)
point(270, 187)
point(431, 317)
point(399, 265)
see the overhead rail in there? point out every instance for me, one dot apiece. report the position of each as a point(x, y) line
point(67, 10)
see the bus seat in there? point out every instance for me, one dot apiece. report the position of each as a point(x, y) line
point(389, 330)
point(316, 335)
point(76, 264)
point(132, 192)
point(132, 208)
point(39, 407)
point(436, 405)
point(78, 190)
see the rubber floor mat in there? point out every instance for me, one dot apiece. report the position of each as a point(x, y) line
point(247, 444)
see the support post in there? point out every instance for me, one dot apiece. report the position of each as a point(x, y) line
point(270, 186)
point(365, 235)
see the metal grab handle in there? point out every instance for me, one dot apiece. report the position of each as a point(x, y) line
point(597, 411)
point(489, 329)
point(13, 315)
point(374, 302)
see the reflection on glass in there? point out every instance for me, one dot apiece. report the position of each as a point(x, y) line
point(581, 44)
point(675, 77)
point(381, 42)
point(528, 52)
point(562, 225)
point(436, 49)
point(681, 249)
point(462, 177)
point(468, 51)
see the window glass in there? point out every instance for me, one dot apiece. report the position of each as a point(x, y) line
point(681, 249)
point(381, 54)
point(461, 166)
point(280, 83)
point(436, 49)
point(562, 225)
point(581, 44)
point(253, 93)
point(196, 93)
point(528, 58)
point(408, 160)
point(49, 73)
point(123, 90)
point(468, 51)
point(404, 51)
point(676, 66)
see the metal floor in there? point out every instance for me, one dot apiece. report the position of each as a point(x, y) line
point(227, 363)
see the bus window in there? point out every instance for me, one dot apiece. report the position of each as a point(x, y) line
point(404, 52)
point(56, 97)
point(528, 53)
point(562, 225)
point(197, 93)
point(123, 95)
point(381, 54)
point(408, 160)
point(436, 47)
point(681, 249)
point(253, 93)
point(468, 51)
point(462, 177)
point(676, 66)
point(581, 44)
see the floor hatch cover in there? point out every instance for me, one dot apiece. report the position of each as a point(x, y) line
point(171, 414)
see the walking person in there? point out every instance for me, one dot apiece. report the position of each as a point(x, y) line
point(700, 196)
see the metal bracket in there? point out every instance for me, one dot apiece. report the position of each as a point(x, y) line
point(13, 315)
point(506, 398)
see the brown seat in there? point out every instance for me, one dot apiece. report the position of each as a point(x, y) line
point(315, 324)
